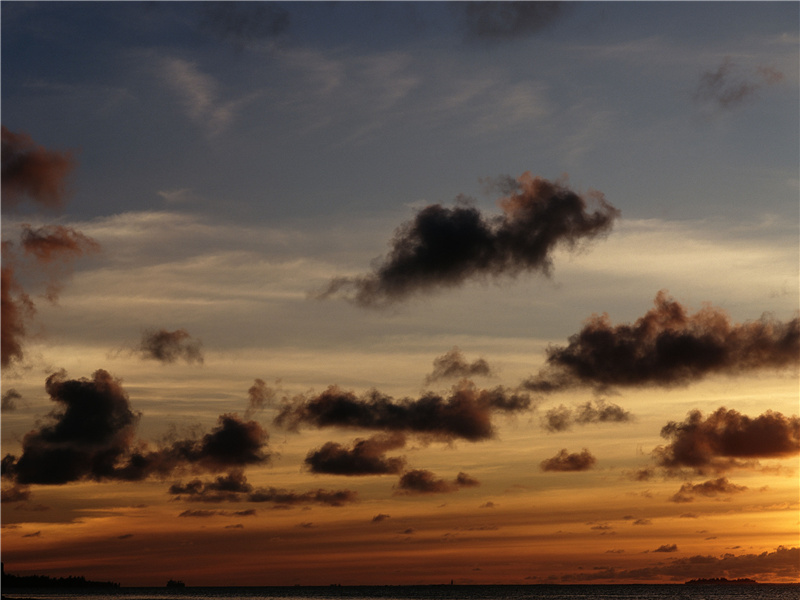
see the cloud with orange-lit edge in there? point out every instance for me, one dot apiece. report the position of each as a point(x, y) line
point(446, 247)
point(667, 347)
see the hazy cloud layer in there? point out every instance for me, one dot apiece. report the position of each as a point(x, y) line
point(501, 21)
point(466, 413)
point(781, 563)
point(169, 346)
point(33, 172)
point(421, 481)
point(725, 438)
point(365, 457)
point(667, 347)
point(710, 489)
point(564, 461)
point(562, 418)
point(445, 247)
point(730, 85)
point(453, 365)
point(91, 436)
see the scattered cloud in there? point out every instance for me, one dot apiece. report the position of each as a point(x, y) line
point(380, 517)
point(667, 347)
point(453, 365)
point(667, 548)
point(503, 21)
point(731, 85)
point(721, 440)
point(169, 346)
point(365, 457)
point(599, 411)
point(466, 413)
point(33, 172)
point(445, 247)
point(564, 461)
point(711, 489)
point(259, 396)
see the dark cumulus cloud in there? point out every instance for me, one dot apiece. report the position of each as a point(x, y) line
point(170, 346)
point(726, 439)
point(563, 418)
point(564, 461)
point(421, 481)
point(91, 436)
point(710, 489)
point(502, 21)
point(365, 457)
point(30, 171)
point(243, 23)
point(465, 413)
point(667, 548)
point(729, 85)
point(453, 365)
point(667, 347)
point(445, 247)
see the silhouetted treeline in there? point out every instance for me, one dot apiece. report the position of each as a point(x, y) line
point(43, 581)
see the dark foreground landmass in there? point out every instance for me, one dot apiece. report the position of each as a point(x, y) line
point(43, 581)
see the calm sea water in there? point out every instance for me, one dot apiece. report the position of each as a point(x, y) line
point(425, 592)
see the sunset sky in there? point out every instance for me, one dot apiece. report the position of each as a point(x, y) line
point(397, 293)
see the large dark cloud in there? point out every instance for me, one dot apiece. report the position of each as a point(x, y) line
point(564, 461)
point(710, 489)
point(169, 346)
point(453, 365)
point(466, 413)
point(725, 438)
point(91, 436)
point(500, 21)
point(365, 457)
point(562, 418)
point(32, 171)
point(730, 85)
point(667, 347)
point(421, 481)
point(444, 247)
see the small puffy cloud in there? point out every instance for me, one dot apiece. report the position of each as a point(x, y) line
point(503, 21)
point(421, 481)
point(710, 489)
point(9, 399)
point(168, 347)
point(380, 517)
point(564, 461)
point(731, 85)
point(667, 548)
point(56, 242)
point(453, 365)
